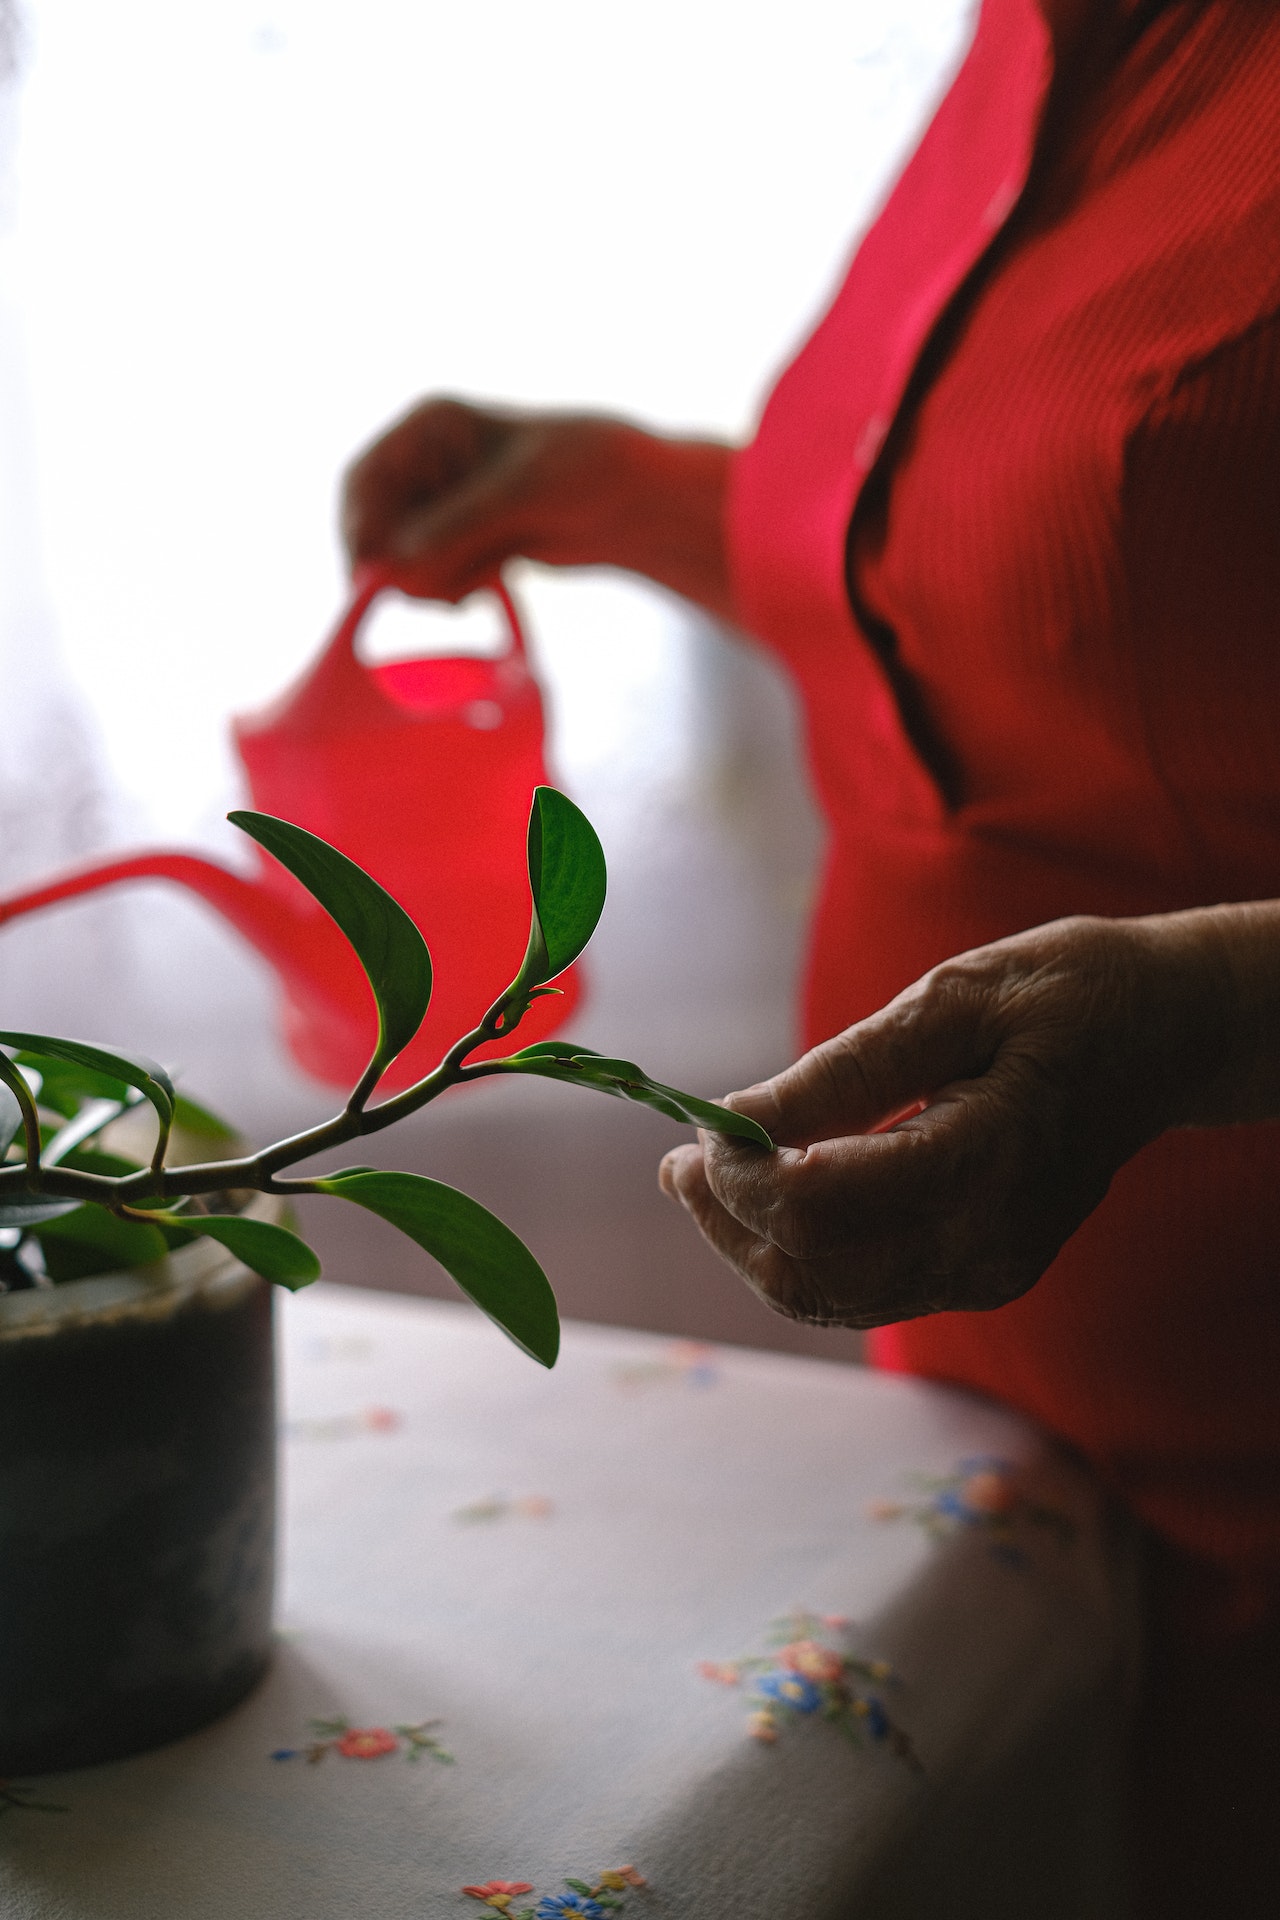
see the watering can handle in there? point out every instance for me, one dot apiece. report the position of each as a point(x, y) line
point(336, 683)
point(369, 581)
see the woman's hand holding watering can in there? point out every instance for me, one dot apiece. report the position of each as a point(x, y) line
point(451, 491)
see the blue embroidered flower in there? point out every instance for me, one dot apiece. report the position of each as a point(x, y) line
point(790, 1690)
point(552, 1905)
point(877, 1719)
point(286, 1753)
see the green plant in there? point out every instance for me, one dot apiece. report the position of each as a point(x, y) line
point(70, 1205)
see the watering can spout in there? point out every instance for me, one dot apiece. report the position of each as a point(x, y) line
point(271, 924)
point(329, 1016)
point(421, 771)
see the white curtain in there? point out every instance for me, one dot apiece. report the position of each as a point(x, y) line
point(235, 237)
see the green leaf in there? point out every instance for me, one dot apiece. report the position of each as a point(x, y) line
point(10, 1119)
point(84, 1126)
point(194, 1118)
point(388, 945)
point(491, 1264)
point(97, 1242)
point(113, 1166)
point(17, 1084)
point(134, 1069)
point(271, 1251)
point(557, 1050)
point(65, 1085)
point(559, 1060)
point(29, 1213)
point(567, 881)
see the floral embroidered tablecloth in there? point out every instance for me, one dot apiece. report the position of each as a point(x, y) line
point(671, 1631)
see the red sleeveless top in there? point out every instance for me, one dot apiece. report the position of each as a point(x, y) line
point(1035, 444)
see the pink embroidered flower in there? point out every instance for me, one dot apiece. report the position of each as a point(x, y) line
point(836, 1622)
point(885, 1510)
point(499, 1894)
point(989, 1492)
point(813, 1660)
point(618, 1878)
point(382, 1419)
point(366, 1743)
point(763, 1726)
point(723, 1672)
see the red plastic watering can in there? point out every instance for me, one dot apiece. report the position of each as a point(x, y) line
point(422, 771)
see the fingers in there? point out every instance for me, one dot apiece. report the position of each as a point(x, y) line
point(812, 1201)
point(778, 1280)
point(938, 1031)
point(884, 1271)
point(458, 541)
point(429, 501)
point(1016, 1049)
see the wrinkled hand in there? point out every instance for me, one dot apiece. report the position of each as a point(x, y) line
point(1046, 1061)
point(453, 490)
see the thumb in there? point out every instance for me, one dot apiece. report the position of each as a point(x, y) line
point(940, 1030)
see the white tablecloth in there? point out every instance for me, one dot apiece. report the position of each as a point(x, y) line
point(543, 1565)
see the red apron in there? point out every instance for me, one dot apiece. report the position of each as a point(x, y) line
point(1089, 779)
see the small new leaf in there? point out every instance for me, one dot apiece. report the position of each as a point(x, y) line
point(491, 1264)
point(389, 947)
point(567, 882)
point(558, 1060)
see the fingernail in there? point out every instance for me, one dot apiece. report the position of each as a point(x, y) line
point(748, 1098)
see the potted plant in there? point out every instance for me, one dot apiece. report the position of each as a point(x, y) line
point(137, 1431)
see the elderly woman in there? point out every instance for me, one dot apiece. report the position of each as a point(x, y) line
point(1012, 519)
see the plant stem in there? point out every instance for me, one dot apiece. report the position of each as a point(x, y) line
point(259, 1171)
point(21, 1092)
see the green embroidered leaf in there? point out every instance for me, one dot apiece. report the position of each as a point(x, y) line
point(389, 947)
point(134, 1069)
point(567, 881)
point(268, 1250)
point(491, 1264)
point(558, 1060)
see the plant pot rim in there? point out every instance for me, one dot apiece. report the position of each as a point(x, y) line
point(137, 1293)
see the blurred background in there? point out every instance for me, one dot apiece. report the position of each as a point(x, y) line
point(235, 240)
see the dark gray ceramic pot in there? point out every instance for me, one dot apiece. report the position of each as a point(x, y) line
point(137, 1507)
